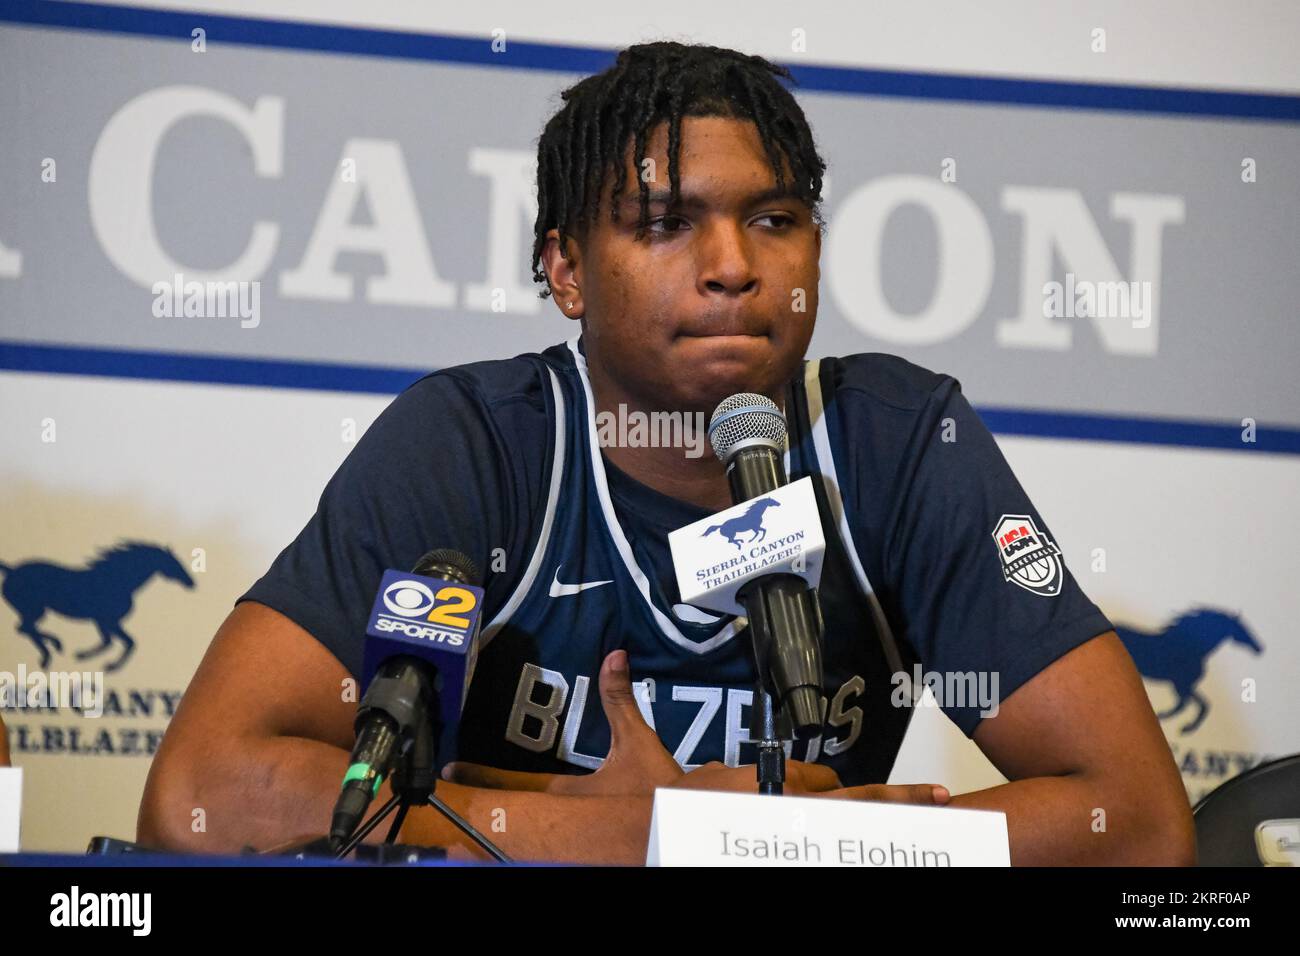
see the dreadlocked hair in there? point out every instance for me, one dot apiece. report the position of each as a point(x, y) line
point(651, 83)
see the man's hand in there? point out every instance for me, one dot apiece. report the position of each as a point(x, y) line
point(800, 777)
point(809, 779)
point(637, 761)
point(926, 793)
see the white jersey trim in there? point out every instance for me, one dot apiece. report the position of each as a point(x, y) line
point(831, 482)
point(616, 534)
point(548, 520)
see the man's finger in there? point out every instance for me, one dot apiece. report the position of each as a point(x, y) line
point(922, 793)
point(617, 697)
point(814, 777)
point(493, 778)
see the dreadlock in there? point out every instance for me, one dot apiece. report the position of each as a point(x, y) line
point(650, 83)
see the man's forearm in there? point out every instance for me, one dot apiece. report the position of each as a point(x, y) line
point(531, 826)
point(268, 792)
point(260, 793)
point(1070, 821)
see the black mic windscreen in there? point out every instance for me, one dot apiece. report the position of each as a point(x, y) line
point(449, 564)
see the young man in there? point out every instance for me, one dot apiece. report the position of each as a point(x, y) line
point(692, 276)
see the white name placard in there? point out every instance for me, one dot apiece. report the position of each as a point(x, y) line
point(11, 802)
point(706, 828)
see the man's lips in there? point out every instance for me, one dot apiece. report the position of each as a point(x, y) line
point(727, 324)
point(725, 346)
point(724, 335)
point(723, 331)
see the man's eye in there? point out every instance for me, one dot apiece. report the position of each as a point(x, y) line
point(780, 221)
point(664, 219)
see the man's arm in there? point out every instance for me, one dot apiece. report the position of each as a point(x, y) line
point(1093, 780)
point(261, 741)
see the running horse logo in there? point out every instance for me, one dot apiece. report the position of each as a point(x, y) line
point(751, 521)
point(1179, 652)
point(101, 592)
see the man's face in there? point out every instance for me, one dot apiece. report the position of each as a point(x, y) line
point(720, 294)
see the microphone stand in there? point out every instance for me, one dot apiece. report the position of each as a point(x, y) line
point(414, 780)
point(769, 727)
point(765, 728)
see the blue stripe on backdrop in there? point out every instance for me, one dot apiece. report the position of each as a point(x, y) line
point(1142, 431)
point(569, 59)
point(206, 369)
point(25, 357)
point(381, 380)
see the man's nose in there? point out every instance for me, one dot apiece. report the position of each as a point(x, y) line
point(726, 264)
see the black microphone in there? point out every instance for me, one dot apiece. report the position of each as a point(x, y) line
point(748, 434)
point(405, 695)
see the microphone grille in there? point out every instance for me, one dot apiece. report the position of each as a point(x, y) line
point(746, 418)
point(450, 564)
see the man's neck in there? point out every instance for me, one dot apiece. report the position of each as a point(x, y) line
point(687, 470)
point(699, 481)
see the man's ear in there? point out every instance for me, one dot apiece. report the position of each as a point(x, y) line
point(817, 251)
point(562, 273)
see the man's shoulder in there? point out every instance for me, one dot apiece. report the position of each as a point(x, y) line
point(489, 382)
point(493, 406)
point(885, 379)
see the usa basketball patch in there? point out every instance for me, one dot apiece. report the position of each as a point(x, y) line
point(1029, 557)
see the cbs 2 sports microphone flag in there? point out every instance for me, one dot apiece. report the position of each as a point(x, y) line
point(437, 621)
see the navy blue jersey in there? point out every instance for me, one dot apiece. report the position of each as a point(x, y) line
point(936, 562)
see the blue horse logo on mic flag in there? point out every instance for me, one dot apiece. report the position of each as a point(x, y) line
point(751, 522)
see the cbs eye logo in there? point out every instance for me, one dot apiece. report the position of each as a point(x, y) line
point(414, 599)
point(408, 598)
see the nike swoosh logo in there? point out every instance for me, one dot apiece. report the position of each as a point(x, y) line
point(563, 590)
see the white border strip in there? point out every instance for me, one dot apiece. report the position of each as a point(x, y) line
point(1196, 45)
